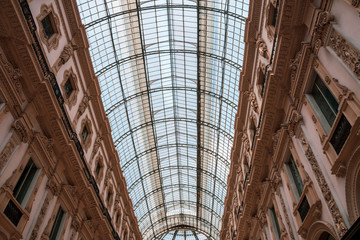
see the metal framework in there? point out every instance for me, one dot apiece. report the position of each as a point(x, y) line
point(169, 72)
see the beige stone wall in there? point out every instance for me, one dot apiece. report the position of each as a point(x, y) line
point(309, 38)
point(40, 121)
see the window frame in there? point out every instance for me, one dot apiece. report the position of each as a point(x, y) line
point(349, 106)
point(70, 100)
point(53, 41)
point(61, 225)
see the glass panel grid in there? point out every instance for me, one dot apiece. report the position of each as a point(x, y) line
point(169, 72)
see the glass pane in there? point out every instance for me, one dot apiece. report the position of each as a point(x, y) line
point(325, 100)
point(55, 230)
point(340, 135)
point(169, 74)
point(296, 176)
point(24, 182)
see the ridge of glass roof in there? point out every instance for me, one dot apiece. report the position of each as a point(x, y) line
point(169, 73)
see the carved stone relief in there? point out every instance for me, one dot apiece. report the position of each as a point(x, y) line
point(334, 210)
point(286, 216)
point(40, 218)
point(7, 151)
point(82, 107)
point(345, 51)
point(65, 55)
point(262, 48)
point(15, 76)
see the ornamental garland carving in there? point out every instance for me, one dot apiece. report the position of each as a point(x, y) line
point(345, 51)
point(286, 216)
point(338, 219)
point(40, 218)
point(7, 151)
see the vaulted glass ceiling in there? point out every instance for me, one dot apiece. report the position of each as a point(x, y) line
point(169, 73)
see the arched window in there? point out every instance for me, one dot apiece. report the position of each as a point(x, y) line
point(326, 236)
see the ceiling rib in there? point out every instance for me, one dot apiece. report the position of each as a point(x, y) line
point(169, 71)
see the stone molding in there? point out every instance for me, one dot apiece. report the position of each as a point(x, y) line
point(53, 41)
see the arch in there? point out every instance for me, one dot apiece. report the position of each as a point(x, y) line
point(352, 186)
point(318, 228)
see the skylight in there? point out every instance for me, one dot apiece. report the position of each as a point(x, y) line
point(169, 73)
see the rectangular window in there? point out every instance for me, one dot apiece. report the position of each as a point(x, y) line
point(68, 88)
point(84, 133)
point(274, 223)
point(13, 212)
point(98, 167)
point(340, 135)
point(304, 208)
point(296, 182)
point(24, 183)
point(56, 228)
point(47, 25)
point(326, 102)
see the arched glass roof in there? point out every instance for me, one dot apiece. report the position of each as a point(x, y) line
point(169, 73)
point(182, 235)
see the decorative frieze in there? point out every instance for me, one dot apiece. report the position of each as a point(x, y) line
point(330, 201)
point(345, 51)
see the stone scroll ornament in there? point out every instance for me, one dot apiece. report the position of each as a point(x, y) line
point(330, 201)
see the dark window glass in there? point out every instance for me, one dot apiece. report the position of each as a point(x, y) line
point(275, 222)
point(84, 133)
point(295, 176)
point(340, 135)
point(68, 88)
point(13, 212)
point(325, 100)
point(117, 218)
point(326, 236)
point(24, 182)
point(57, 224)
point(98, 167)
point(274, 9)
point(47, 25)
point(304, 208)
point(108, 197)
